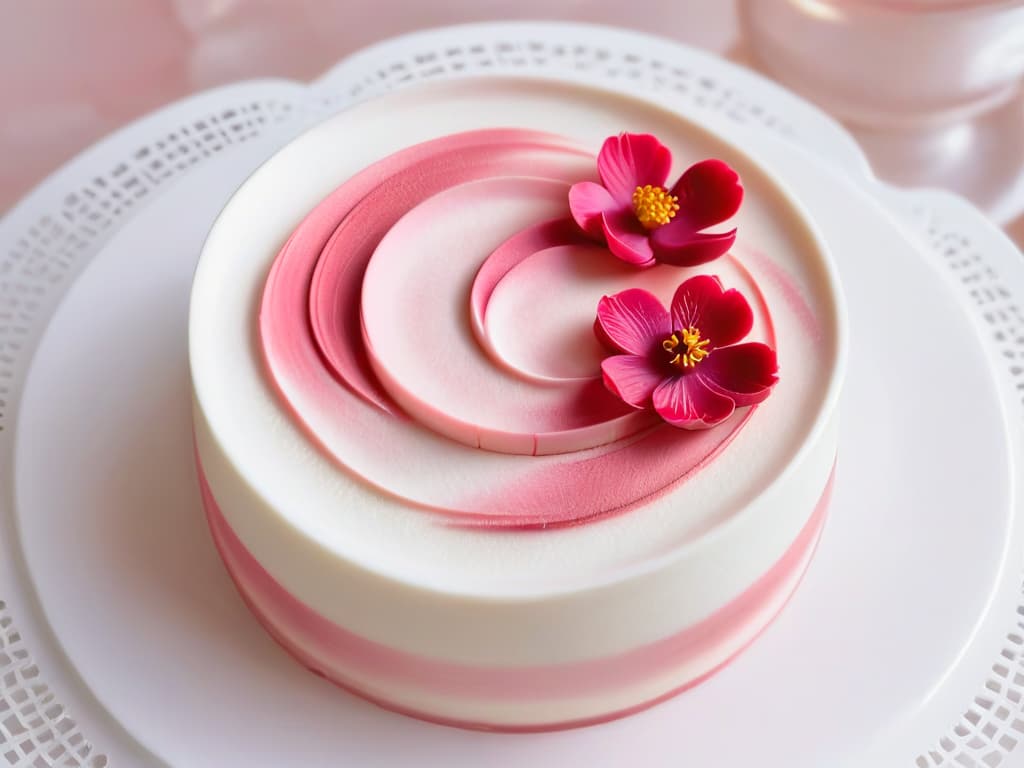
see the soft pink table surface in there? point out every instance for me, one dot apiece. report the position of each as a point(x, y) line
point(72, 71)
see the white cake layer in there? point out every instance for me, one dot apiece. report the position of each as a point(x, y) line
point(392, 573)
point(498, 708)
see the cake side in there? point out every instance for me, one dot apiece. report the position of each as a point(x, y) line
point(416, 457)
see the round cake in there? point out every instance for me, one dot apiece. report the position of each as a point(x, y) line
point(514, 404)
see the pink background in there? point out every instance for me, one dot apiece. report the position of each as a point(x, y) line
point(71, 71)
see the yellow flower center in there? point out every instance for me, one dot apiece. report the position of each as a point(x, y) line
point(654, 206)
point(686, 347)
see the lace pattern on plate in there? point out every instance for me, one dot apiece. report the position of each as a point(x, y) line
point(36, 731)
point(681, 83)
point(992, 726)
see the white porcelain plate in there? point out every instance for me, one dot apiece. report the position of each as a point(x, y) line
point(887, 635)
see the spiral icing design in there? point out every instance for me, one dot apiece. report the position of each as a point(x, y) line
point(429, 326)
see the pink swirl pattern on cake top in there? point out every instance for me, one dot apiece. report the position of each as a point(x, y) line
point(641, 220)
point(441, 302)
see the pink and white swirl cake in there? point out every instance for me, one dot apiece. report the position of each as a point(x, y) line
point(514, 427)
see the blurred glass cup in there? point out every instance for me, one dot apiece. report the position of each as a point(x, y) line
point(892, 62)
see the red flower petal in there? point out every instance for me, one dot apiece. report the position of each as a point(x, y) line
point(630, 160)
point(587, 201)
point(627, 239)
point(633, 378)
point(723, 317)
point(709, 192)
point(690, 299)
point(634, 321)
point(676, 245)
point(745, 373)
point(684, 401)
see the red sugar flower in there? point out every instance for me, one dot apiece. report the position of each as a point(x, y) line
point(642, 221)
point(685, 363)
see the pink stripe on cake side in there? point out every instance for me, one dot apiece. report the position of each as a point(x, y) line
point(330, 649)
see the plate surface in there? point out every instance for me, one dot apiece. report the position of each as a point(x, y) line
point(907, 568)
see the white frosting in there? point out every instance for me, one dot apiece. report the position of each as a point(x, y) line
point(394, 574)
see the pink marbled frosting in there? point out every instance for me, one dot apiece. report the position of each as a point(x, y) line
point(364, 333)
